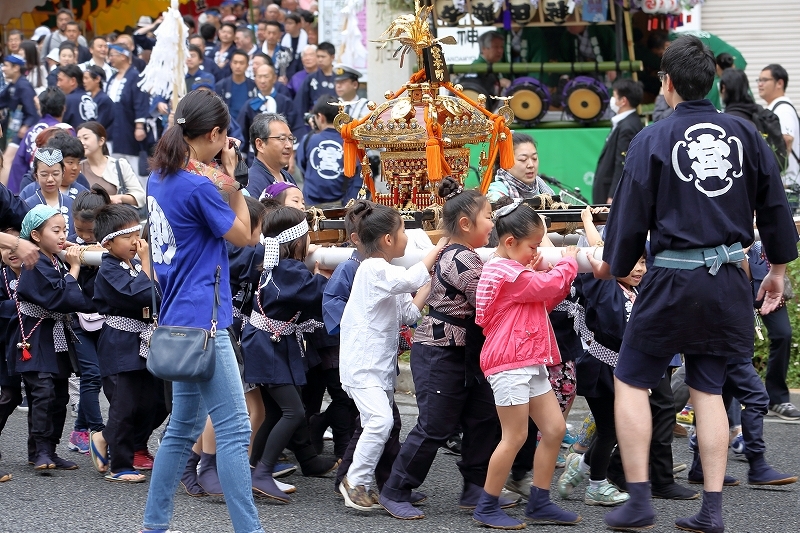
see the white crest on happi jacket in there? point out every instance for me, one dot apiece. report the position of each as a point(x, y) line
point(712, 154)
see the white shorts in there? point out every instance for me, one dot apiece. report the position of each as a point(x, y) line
point(518, 386)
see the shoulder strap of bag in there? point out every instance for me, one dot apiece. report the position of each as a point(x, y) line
point(122, 188)
point(153, 310)
point(791, 151)
point(154, 313)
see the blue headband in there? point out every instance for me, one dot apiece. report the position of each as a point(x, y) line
point(15, 60)
point(121, 50)
point(37, 216)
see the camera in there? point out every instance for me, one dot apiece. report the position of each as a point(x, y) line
point(311, 120)
point(241, 173)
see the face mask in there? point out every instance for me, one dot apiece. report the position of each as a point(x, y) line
point(612, 104)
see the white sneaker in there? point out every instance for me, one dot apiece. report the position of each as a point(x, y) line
point(285, 487)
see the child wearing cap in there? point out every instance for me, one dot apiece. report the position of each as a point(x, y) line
point(46, 295)
point(18, 94)
point(17, 98)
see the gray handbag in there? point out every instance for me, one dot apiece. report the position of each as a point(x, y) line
point(180, 353)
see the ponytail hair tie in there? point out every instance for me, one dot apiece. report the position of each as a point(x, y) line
point(455, 193)
point(507, 209)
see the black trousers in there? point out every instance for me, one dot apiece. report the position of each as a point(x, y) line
point(284, 414)
point(153, 419)
point(598, 456)
point(444, 402)
point(10, 398)
point(663, 412)
point(384, 467)
point(48, 397)
point(779, 331)
point(131, 396)
point(340, 413)
point(314, 390)
point(743, 383)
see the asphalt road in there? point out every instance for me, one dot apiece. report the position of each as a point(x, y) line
point(82, 501)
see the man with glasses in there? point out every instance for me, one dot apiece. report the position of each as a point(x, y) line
point(273, 145)
point(266, 100)
point(692, 182)
point(772, 84)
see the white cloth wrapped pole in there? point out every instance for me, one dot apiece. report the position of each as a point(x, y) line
point(90, 257)
point(330, 258)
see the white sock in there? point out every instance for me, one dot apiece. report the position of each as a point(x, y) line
point(596, 484)
point(583, 468)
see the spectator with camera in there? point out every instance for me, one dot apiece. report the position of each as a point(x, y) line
point(320, 156)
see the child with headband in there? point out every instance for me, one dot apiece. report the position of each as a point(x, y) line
point(123, 293)
point(287, 304)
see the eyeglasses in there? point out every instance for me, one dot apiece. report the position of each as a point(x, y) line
point(661, 76)
point(56, 174)
point(762, 81)
point(283, 138)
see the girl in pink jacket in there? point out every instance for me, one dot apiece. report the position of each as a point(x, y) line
point(512, 304)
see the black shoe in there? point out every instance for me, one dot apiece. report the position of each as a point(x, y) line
point(43, 461)
point(319, 466)
point(63, 464)
point(673, 491)
point(453, 444)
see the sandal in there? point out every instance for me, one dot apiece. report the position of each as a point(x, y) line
point(118, 476)
point(99, 461)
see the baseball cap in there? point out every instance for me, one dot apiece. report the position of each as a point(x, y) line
point(202, 82)
point(40, 33)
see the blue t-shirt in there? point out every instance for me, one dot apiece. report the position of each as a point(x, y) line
point(187, 221)
point(238, 97)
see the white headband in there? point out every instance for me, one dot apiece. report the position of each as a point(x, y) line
point(132, 229)
point(272, 246)
point(507, 209)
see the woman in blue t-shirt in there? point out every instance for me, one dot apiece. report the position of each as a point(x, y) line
point(189, 224)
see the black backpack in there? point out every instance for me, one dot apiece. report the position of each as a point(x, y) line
point(794, 155)
point(769, 126)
